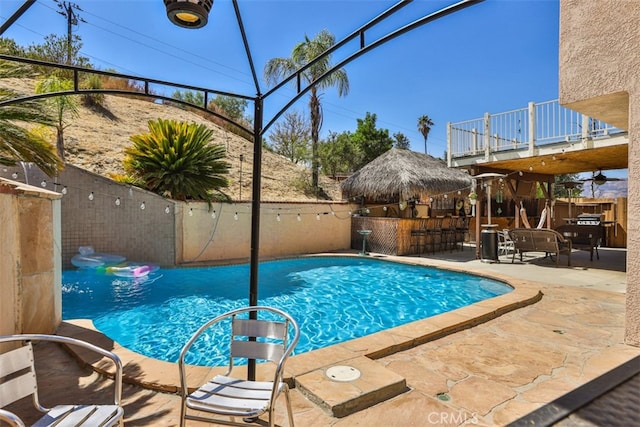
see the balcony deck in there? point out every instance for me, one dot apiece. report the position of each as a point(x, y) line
point(543, 138)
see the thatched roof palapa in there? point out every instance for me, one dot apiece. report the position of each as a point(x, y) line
point(404, 174)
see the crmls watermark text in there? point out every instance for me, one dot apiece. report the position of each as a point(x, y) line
point(455, 418)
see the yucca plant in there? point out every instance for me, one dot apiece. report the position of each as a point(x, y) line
point(177, 160)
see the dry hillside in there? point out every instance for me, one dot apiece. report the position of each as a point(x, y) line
point(96, 141)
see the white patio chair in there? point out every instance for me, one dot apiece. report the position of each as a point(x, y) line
point(505, 244)
point(18, 373)
point(270, 336)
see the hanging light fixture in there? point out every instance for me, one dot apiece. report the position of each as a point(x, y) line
point(188, 13)
point(600, 179)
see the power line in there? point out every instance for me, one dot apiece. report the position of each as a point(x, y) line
point(70, 12)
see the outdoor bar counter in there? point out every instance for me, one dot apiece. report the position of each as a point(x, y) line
point(392, 236)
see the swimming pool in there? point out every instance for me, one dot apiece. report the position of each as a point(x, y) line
point(334, 299)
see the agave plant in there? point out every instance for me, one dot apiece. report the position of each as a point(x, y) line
point(177, 160)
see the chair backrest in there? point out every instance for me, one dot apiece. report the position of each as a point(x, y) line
point(546, 239)
point(522, 238)
point(18, 365)
point(272, 335)
point(244, 347)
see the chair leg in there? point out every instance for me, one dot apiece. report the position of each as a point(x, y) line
point(183, 409)
point(289, 410)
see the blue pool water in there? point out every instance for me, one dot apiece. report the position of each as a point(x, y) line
point(334, 299)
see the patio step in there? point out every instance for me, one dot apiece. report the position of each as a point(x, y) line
point(350, 386)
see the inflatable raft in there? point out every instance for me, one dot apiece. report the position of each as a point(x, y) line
point(87, 258)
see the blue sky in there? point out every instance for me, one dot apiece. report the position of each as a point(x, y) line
point(491, 57)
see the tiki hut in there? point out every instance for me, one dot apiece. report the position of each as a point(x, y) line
point(404, 175)
point(393, 182)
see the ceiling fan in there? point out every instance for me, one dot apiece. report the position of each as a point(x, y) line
point(600, 178)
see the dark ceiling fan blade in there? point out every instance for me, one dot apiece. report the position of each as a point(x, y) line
point(601, 179)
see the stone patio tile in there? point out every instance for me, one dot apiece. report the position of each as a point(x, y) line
point(420, 376)
point(340, 398)
point(306, 413)
point(582, 306)
point(521, 297)
point(511, 411)
point(306, 362)
point(143, 408)
point(547, 391)
point(479, 395)
point(409, 409)
point(607, 359)
point(478, 312)
point(415, 330)
point(448, 322)
point(380, 344)
point(157, 374)
point(601, 318)
point(493, 357)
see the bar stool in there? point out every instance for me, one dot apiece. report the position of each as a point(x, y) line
point(433, 235)
point(449, 233)
point(417, 240)
point(462, 230)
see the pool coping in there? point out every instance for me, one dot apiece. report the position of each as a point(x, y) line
point(163, 376)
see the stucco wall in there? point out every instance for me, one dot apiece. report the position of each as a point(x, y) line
point(30, 300)
point(599, 63)
point(285, 229)
point(599, 57)
point(167, 232)
point(632, 334)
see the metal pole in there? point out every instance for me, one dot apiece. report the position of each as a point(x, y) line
point(489, 202)
point(241, 160)
point(255, 219)
point(13, 18)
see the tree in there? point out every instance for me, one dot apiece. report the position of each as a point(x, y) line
point(10, 47)
point(230, 106)
point(303, 53)
point(424, 126)
point(195, 98)
point(372, 142)
point(290, 137)
point(338, 154)
point(402, 142)
point(16, 142)
point(176, 160)
point(62, 107)
point(57, 49)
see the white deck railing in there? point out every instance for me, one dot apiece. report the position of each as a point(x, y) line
point(537, 124)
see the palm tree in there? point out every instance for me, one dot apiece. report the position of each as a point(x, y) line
point(16, 142)
point(63, 106)
point(176, 160)
point(303, 53)
point(424, 126)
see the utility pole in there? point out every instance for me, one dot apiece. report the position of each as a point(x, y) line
point(70, 11)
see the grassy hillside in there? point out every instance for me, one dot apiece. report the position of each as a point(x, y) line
point(96, 141)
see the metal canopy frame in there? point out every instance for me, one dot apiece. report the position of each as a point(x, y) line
point(259, 128)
